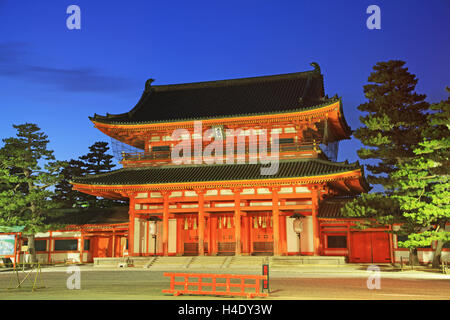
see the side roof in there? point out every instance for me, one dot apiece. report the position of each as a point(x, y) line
point(81, 216)
point(222, 98)
point(331, 207)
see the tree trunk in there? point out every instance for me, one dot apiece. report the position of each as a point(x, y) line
point(437, 254)
point(438, 250)
point(32, 248)
point(413, 257)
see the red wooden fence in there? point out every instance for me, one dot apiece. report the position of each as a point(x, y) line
point(213, 287)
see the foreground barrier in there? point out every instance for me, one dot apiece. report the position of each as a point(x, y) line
point(26, 270)
point(215, 287)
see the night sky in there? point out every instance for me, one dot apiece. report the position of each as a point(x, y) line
point(56, 77)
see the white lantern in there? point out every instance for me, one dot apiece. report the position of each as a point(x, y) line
point(152, 228)
point(298, 225)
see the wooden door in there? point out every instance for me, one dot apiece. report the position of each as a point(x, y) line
point(102, 247)
point(370, 247)
point(361, 250)
point(380, 247)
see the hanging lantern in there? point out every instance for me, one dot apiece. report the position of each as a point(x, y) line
point(220, 222)
point(152, 228)
point(255, 223)
point(264, 224)
point(186, 226)
point(229, 223)
point(195, 224)
point(260, 221)
point(298, 225)
point(271, 221)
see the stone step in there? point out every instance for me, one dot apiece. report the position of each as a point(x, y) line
point(292, 261)
point(121, 262)
point(166, 263)
point(207, 262)
point(248, 262)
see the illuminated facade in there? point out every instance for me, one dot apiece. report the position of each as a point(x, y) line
point(199, 182)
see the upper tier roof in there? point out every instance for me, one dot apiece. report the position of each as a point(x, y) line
point(205, 100)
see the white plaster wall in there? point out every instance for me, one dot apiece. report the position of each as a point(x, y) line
point(172, 236)
point(424, 256)
point(65, 234)
point(291, 236)
point(307, 235)
point(139, 236)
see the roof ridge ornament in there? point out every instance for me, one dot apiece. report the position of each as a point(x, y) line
point(148, 84)
point(316, 67)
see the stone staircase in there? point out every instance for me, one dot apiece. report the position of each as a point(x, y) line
point(207, 262)
point(250, 263)
point(170, 263)
point(247, 262)
point(289, 262)
point(139, 262)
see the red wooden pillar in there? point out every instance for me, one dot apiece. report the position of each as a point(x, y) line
point(81, 246)
point(147, 235)
point(15, 250)
point(113, 243)
point(391, 245)
point(276, 221)
point(315, 220)
point(50, 247)
point(165, 233)
point(213, 235)
point(131, 228)
point(237, 220)
point(201, 222)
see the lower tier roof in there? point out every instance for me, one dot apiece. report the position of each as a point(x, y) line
point(317, 170)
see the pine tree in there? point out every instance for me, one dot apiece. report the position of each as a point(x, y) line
point(424, 180)
point(392, 128)
point(27, 172)
point(96, 161)
point(64, 193)
point(394, 123)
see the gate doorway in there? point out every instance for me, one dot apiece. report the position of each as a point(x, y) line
point(261, 225)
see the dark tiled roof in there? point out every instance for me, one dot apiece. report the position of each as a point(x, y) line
point(219, 172)
point(331, 208)
point(81, 216)
point(246, 96)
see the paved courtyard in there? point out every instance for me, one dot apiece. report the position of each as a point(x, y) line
point(325, 283)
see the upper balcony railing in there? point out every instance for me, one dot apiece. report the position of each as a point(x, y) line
point(285, 151)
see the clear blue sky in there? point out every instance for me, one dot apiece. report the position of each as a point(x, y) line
point(57, 77)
